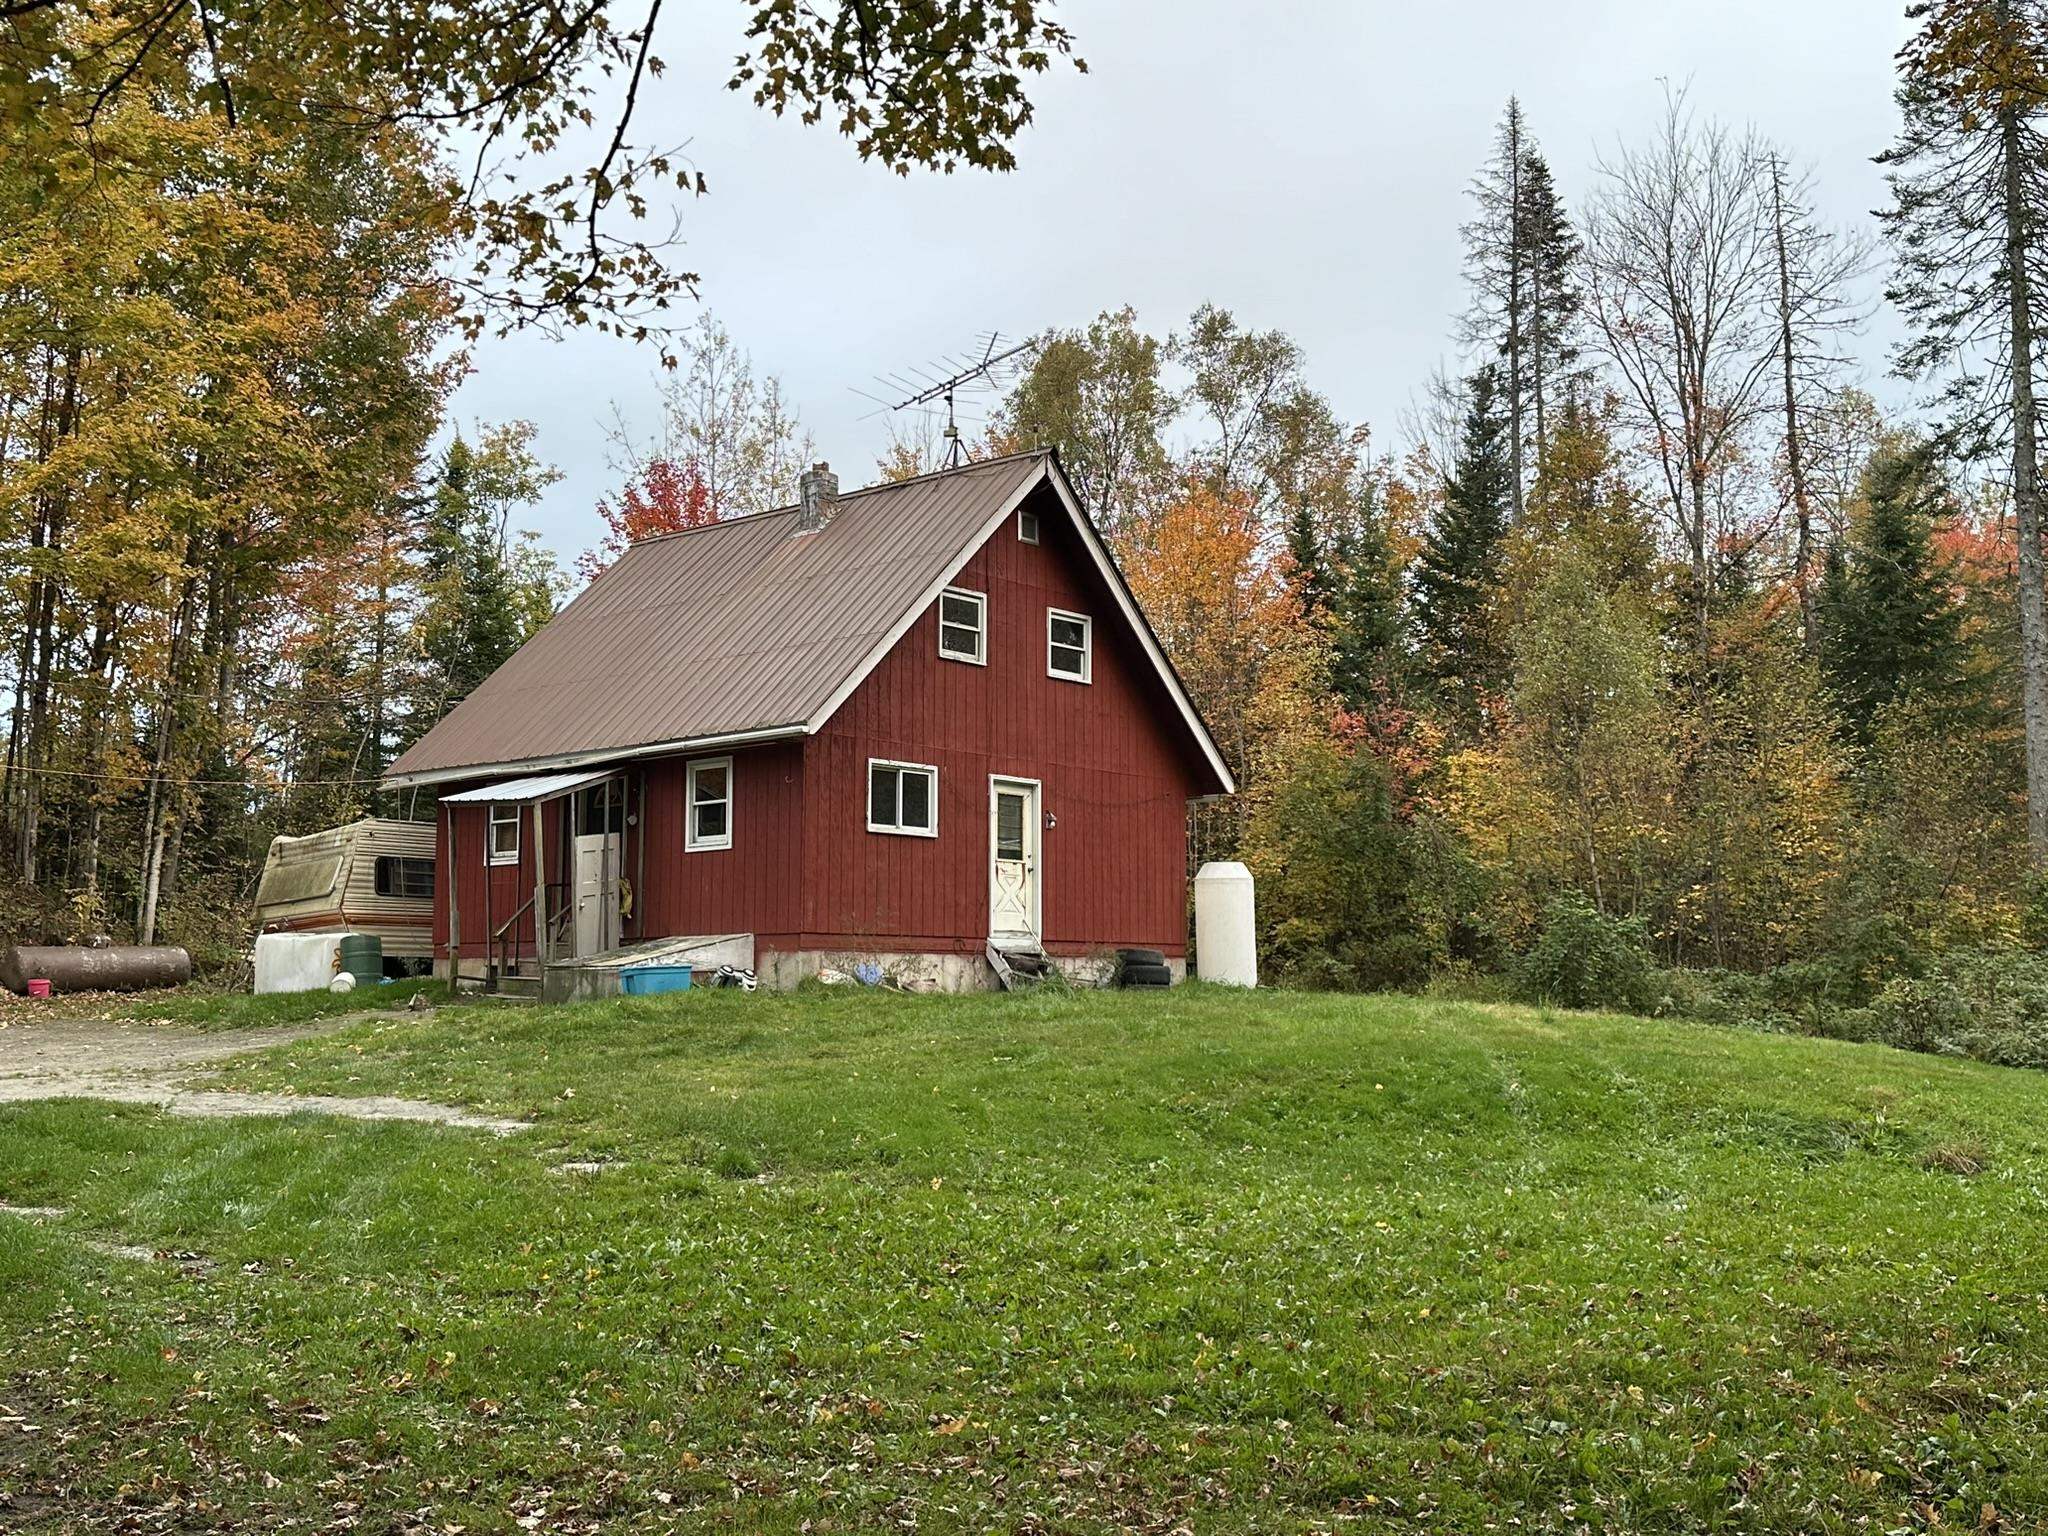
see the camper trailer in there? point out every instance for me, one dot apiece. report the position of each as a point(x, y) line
point(372, 876)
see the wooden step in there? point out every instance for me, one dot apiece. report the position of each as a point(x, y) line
point(1018, 965)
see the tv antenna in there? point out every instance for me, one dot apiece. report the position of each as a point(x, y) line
point(976, 371)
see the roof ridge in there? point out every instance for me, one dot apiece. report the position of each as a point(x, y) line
point(865, 490)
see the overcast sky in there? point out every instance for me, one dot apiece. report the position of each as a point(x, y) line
point(1304, 165)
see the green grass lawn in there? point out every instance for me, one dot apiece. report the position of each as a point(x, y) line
point(1043, 1264)
point(208, 1007)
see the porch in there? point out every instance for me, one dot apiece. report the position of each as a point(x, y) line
point(563, 838)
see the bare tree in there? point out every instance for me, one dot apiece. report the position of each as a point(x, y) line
point(1681, 280)
point(736, 428)
point(1816, 304)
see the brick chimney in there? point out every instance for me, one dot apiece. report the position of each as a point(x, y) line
point(818, 489)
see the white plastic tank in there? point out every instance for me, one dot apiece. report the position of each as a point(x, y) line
point(1226, 926)
point(296, 962)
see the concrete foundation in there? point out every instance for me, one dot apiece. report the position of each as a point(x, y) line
point(784, 970)
point(598, 976)
point(918, 972)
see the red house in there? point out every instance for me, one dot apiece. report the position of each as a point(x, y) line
point(922, 723)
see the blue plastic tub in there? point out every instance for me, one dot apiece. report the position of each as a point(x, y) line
point(645, 980)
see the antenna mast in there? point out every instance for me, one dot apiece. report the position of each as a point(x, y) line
point(972, 373)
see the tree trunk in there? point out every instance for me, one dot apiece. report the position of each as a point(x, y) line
point(2026, 493)
point(1795, 462)
point(1517, 316)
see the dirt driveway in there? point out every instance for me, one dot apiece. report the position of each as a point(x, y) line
point(146, 1064)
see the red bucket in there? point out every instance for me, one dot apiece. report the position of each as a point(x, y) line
point(39, 986)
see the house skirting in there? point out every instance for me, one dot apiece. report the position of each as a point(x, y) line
point(785, 969)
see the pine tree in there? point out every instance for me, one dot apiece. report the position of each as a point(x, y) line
point(1460, 564)
point(483, 594)
point(1890, 624)
point(1312, 574)
point(1969, 183)
point(1545, 232)
point(1520, 258)
point(1365, 618)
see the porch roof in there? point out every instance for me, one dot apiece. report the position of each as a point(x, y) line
point(539, 786)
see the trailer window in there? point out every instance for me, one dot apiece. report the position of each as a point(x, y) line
point(504, 844)
point(410, 879)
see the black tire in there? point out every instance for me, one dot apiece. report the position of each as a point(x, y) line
point(1130, 957)
point(1145, 976)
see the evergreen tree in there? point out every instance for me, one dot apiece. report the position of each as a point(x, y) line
point(1890, 624)
point(1552, 248)
point(1461, 560)
point(484, 592)
point(1520, 258)
point(1365, 620)
point(1312, 574)
point(1969, 183)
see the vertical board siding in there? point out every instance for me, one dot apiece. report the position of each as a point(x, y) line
point(751, 887)
point(511, 885)
point(1111, 757)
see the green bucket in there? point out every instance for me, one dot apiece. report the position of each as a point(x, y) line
point(362, 956)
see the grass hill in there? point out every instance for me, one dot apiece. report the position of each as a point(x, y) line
point(1212, 1261)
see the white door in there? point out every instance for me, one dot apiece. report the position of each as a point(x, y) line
point(597, 892)
point(1013, 859)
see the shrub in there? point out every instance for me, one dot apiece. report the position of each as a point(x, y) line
point(1991, 1004)
point(1585, 959)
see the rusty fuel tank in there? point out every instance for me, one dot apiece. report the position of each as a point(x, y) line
point(111, 968)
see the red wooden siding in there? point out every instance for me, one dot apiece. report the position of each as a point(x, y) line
point(510, 885)
point(751, 887)
point(1111, 758)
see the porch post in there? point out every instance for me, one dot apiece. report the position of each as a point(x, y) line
point(454, 907)
point(639, 859)
point(540, 886)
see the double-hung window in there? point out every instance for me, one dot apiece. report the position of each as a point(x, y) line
point(903, 798)
point(503, 847)
point(963, 625)
point(1068, 645)
point(707, 821)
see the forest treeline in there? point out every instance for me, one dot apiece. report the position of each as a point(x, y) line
point(1651, 649)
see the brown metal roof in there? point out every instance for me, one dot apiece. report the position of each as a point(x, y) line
point(732, 630)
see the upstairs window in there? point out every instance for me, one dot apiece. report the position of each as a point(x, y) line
point(903, 798)
point(411, 879)
point(1027, 527)
point(707, 824)
point(963, 625)
point(503, 847)
point(1069, 643)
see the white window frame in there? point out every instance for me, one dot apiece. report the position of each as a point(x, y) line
point(867, 796)
point(1087, 646)
point(502, 816)
point(980, 601)
point(692, 843)
point(1027, 526)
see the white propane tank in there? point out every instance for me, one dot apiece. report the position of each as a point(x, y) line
point(1226, 930)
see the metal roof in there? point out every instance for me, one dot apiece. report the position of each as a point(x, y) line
point(739, 629)
point(540, 786)
point(745, 631)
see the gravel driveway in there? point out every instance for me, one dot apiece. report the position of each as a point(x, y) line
point(146, 1063)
